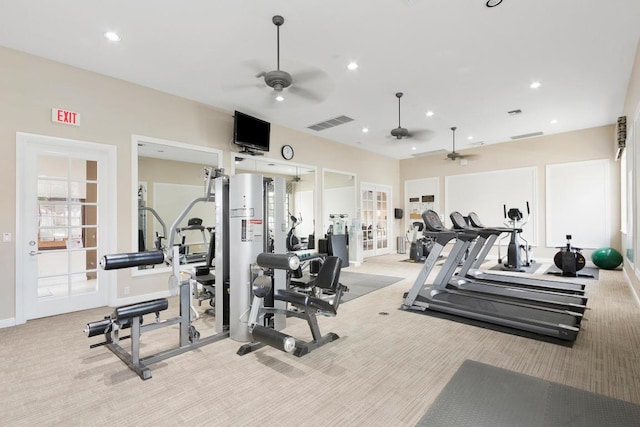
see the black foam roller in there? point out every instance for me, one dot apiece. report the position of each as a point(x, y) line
point(140, 309)
point(278, 261)
point(98, 328)
point(273, 338)
point(131, 259)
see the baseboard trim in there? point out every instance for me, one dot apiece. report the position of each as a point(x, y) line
point(7, 323)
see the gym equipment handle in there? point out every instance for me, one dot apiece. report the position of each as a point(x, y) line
point(131, 259)
point(278, 261)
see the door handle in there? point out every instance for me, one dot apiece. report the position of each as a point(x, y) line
point(34, 253)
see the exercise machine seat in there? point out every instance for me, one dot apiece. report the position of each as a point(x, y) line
point(329, 274)
point(136, 310)
point(328, 278)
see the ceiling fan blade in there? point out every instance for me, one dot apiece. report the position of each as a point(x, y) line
point(305, 93)
point(256, 67)
point(245, 86)
point(423, 135)
point(309, 75)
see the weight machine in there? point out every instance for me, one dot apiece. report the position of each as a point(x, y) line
point(306, 306)
point(241, 229)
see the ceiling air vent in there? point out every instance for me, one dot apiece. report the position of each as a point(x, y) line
point(527, 135)
point(330, 123)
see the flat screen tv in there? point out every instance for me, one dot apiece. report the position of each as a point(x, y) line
point(251, 133)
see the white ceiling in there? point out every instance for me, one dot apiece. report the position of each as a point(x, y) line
point(468, 63)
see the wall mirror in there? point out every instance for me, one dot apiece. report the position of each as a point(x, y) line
point(300, 198)
point(339, 200)
point(166, 177)
point(340, 218)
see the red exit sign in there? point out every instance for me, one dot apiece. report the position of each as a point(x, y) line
point(66, 117)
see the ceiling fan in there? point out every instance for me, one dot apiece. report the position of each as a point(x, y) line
point(279, 79)
point(400, 132)
point(454, 155)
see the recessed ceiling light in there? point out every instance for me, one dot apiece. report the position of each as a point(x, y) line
point(554, 121)
point(279, 98)
point(365, 130)
point(352, 66)
point(413, 148)
point(470, 137)
point(429, 113)
point(535, 85)
point(493, 3)
point(112, 36)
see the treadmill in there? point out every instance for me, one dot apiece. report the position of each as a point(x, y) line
point(477, 255)
point(516, 314)
point(505, 290)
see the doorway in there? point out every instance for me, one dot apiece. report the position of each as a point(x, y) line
point(66, 210)
point(375, 215)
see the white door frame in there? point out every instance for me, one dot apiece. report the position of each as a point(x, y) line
point(107, 245)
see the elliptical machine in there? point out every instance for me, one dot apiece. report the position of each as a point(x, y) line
point(293, 243)
point(569, 260)
point(515, 220)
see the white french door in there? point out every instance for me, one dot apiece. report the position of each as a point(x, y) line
point(66, 220)
point(375, 202)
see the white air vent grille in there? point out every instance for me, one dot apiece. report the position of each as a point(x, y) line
point(527, 135)
point(330, 123)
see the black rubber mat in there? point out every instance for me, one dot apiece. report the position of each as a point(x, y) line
point(585, 273)
point(482, 395)
point(531, 269)
point(360, 284)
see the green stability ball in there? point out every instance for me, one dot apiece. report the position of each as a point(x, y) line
point(607, 258)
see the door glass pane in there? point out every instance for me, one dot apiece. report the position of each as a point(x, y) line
point(52, 167)
point(53, 287)
point(78, 169)
point(52, 189)
point(75, 214)
point(90, 214)
point(83, 284)
point(90, 237)
point(80, 260)
point(53, 262)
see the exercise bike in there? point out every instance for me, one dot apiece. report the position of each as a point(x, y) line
point(514, 262)
point(569, 260)
point(420, 244)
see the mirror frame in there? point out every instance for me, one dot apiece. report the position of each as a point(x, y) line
point(138, 139)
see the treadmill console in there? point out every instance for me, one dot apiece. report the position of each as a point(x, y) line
point(432, 221)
